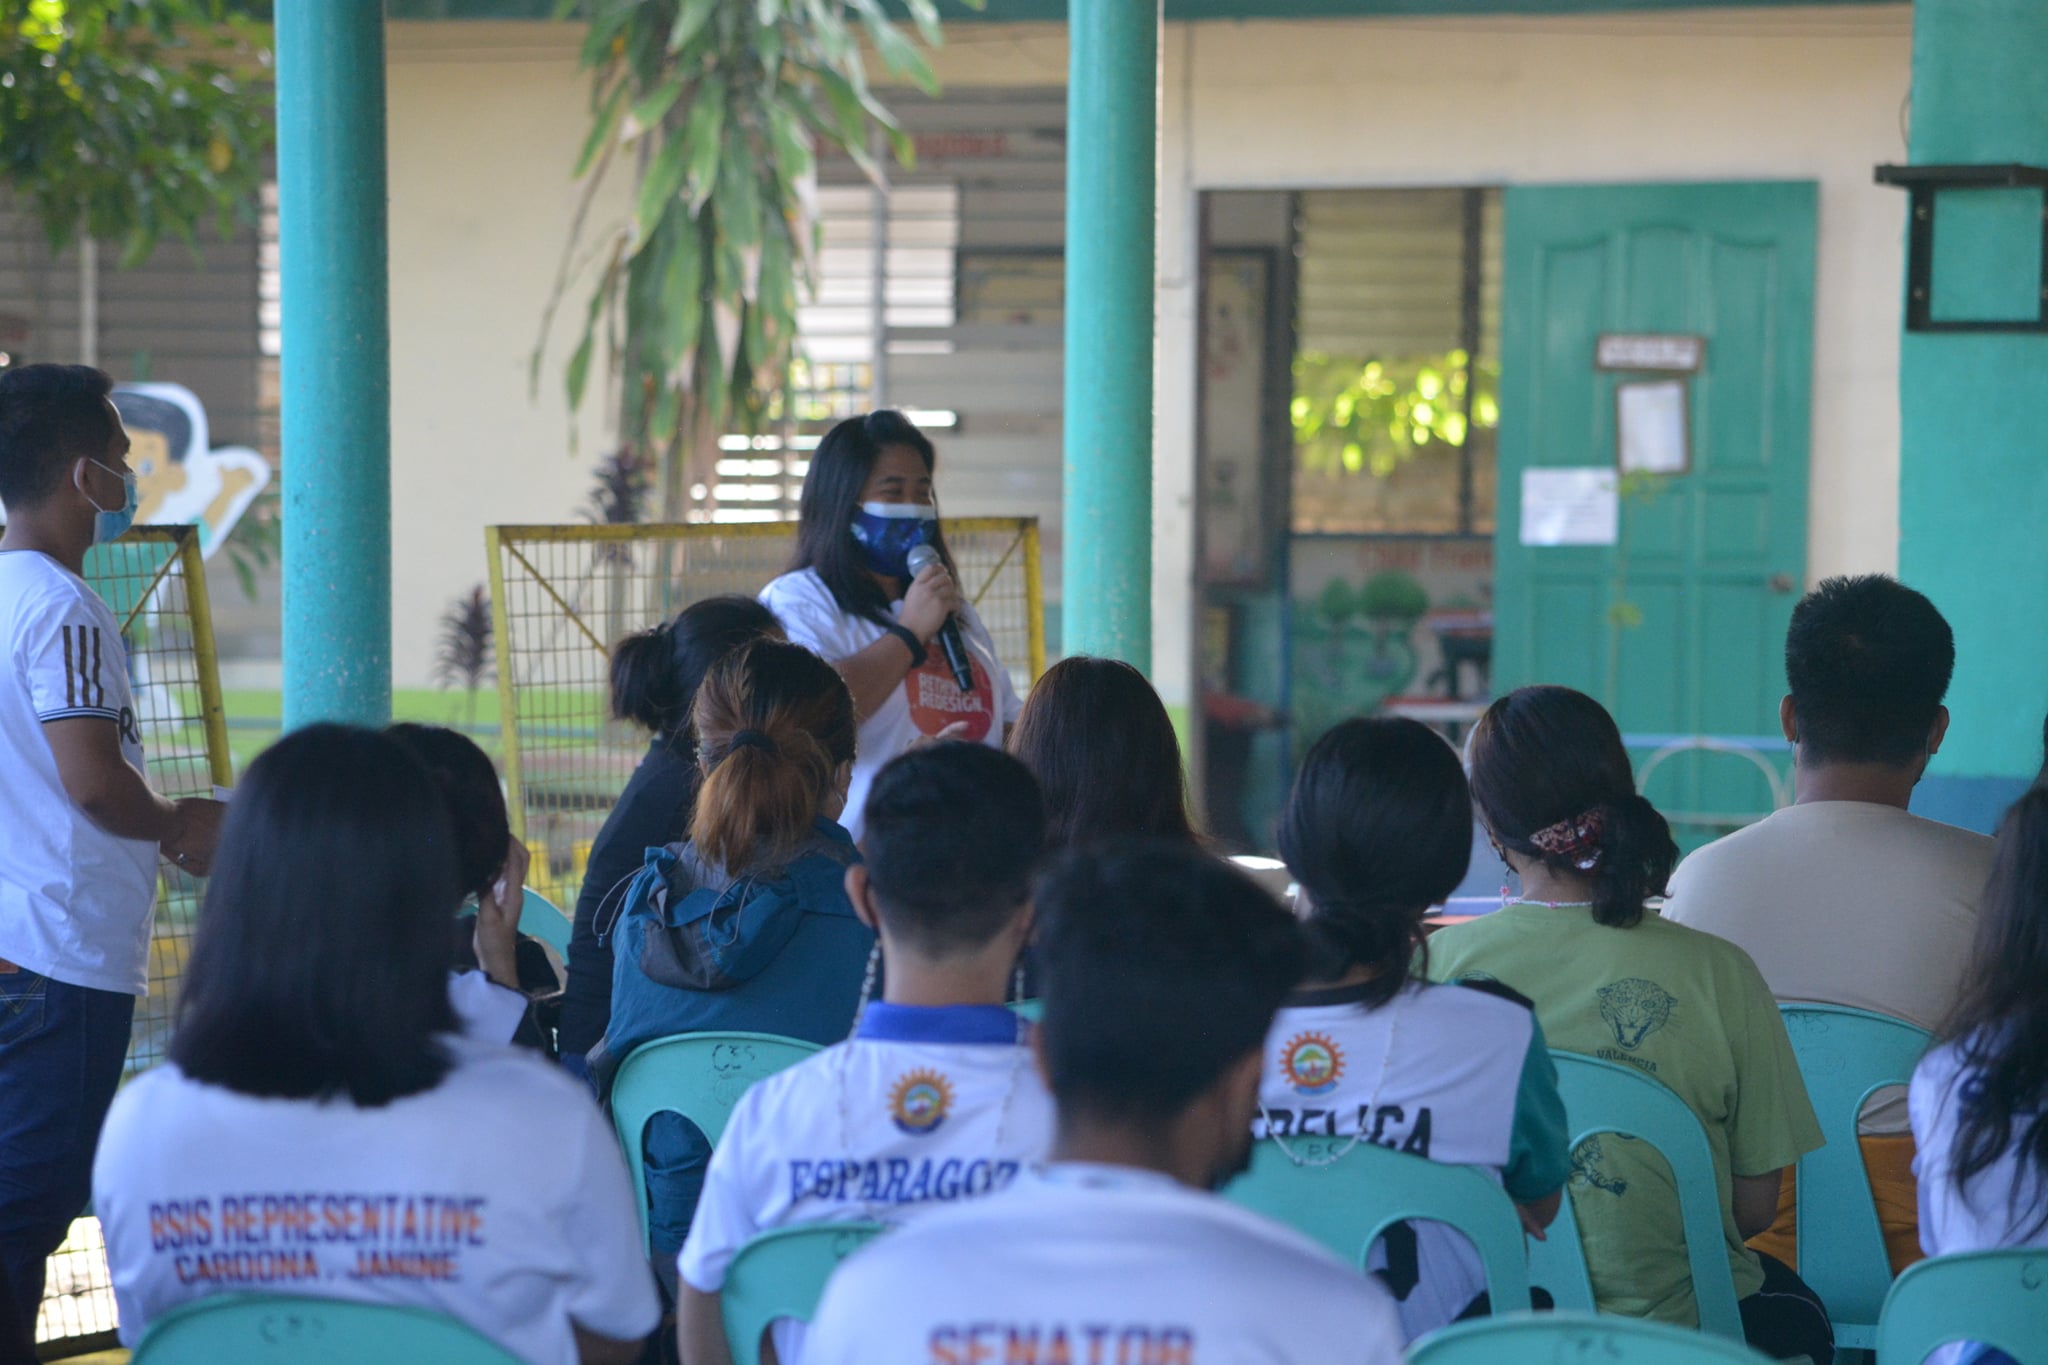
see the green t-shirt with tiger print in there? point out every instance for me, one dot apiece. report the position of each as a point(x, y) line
point(1685, 1008)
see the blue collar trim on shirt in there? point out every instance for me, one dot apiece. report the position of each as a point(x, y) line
point(884, 1022)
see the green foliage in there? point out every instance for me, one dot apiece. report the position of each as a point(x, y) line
point(256, 541)
point(1393, 596)
point(1337, 603)
point(1355, 416)
point(721, 109)
point(463, 656)
point(139, 119)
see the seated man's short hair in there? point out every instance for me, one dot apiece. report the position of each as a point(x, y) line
point(1162, 967)
point(1867, 661)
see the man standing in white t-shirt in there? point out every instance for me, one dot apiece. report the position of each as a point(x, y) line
point(1162, 971)
point(80, 829)
point(935, 1099)
point(1845, 898)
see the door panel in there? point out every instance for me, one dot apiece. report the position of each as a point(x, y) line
point(1698, 554)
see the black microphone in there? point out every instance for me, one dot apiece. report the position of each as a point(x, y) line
point(950, 643)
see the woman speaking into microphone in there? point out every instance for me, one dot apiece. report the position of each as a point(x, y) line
point(852, 594)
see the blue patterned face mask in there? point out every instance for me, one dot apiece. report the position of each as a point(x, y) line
point(887, 532)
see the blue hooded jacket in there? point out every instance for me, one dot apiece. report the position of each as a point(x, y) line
point(696, 950)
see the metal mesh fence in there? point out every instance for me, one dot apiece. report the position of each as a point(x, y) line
point(154, 581)
point(560, 595)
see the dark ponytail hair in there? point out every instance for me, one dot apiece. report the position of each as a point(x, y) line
point(655, 673)
point(774, 722)
point(1377, 830)
point(1545, 758)
point(839, 470)
point(2000, 1024)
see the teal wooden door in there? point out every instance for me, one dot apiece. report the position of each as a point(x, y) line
point(1680, 627)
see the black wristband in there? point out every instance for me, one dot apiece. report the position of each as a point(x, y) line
point(910, 642)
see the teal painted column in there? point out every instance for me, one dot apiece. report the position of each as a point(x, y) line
point(1973, 408)
point(336, 361)
point(1112, 192)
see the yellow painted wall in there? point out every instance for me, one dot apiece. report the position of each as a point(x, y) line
point(485, 124)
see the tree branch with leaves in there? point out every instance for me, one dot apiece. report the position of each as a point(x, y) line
point(133, 121)
point(720, 110)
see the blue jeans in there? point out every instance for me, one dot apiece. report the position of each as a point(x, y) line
point(61, 1049)
point(675, 1155)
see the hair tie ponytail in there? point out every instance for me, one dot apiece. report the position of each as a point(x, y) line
point(1637, 855)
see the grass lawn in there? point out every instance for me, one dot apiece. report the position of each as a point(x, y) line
point(255, 715)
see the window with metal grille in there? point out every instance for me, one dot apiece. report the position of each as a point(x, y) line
point(886, 260)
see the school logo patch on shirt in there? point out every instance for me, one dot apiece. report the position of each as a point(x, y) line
point(1312, 1063)
point(919, 1101)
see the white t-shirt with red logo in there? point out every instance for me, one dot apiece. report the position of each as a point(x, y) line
point(929, 699)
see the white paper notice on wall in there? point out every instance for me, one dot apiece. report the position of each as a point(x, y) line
point(1571, 506)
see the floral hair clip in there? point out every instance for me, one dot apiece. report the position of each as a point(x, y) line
point(1576, 839)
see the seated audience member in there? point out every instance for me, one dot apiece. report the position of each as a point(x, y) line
point(747, 926)
point(1557, 796)
point(1163, 967)
point(654, 679)
point(495, 968)
point(322, 1128)
point(1867, 660)
point(1378, 829)
point(1099, 741)
point(935, 1098)
point(1980, 1099)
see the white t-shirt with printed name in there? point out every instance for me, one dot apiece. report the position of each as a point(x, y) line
point(1450, 1073)
point(499, 1197)
point(925, 1106)
point(1083, 1264)
point(75, 901)
point(929, 699)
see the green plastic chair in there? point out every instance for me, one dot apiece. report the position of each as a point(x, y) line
point(281, 1329)
point(540, 918)
point(782, 1274)
point(1845, 1054)
point(1350, 1202)
point(1999, 1298)
point(698, 1075)
point(1567, 1338)
point(1604, 1097)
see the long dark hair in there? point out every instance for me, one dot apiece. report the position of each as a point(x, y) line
point(774, 723)
point(2000, 1024)
point(1099, 741)
point(840, 467)
point(321, 962)
point(1377, 830)
point(1545, 756)
point(468, 782)
point(655, 673)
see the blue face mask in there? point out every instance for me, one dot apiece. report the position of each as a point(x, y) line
point(887, 532)
point(109, 526)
